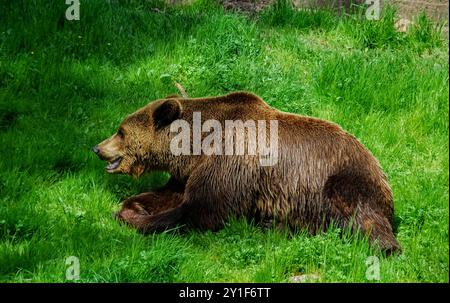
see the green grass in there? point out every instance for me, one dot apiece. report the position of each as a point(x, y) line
point(64, 86)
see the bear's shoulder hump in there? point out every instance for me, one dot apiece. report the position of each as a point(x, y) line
point(241, 97)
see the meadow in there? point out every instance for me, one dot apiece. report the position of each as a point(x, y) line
point(66, 85)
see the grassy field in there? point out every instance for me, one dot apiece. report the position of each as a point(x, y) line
point(66, 85)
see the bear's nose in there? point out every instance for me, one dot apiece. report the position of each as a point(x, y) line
point(95, 149)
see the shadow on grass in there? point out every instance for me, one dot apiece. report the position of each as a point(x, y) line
point(122, 186)
point(7, 119)
point(114, 32)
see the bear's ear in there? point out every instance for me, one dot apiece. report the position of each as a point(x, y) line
point(166, 113)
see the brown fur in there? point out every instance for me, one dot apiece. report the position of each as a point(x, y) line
point(323, 174)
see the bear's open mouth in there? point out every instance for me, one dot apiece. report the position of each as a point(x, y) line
point(113, 164)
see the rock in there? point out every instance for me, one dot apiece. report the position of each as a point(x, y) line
point(304, 278)
point(402, 25)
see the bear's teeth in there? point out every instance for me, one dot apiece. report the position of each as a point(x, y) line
point(114, 164)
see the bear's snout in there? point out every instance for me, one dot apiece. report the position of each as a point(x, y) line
point(99, 153)
point(95, 149)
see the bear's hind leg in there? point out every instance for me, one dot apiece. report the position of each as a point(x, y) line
point(379, 230)
point(354, 201)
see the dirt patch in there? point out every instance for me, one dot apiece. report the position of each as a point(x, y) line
point(438, 10)
point(251, 6)
point(259, 5)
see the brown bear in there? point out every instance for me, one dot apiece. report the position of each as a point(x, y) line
point(322, 175)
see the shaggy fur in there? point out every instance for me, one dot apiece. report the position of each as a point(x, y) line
point(323, 174)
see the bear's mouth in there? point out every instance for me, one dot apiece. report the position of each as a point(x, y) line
point(113, 164)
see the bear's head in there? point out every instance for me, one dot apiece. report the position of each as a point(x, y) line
point(142, 141)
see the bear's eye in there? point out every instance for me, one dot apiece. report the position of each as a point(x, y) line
point(120, 133)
